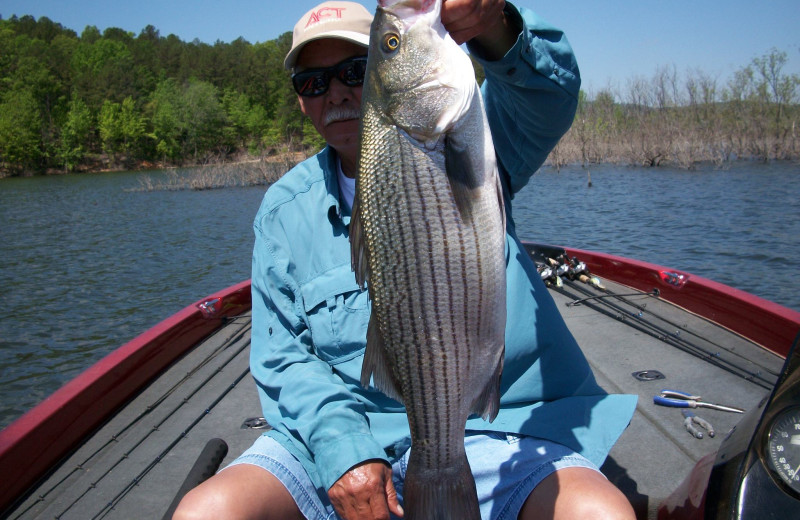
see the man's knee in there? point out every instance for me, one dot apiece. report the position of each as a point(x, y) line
point(205, 502)
point(610, 505)
point(241, 491)
point(577, 493)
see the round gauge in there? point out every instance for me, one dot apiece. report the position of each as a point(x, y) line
point(783, 448)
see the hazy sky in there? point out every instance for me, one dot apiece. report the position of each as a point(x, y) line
point(613, 40)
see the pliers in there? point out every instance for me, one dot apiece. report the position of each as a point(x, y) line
point(678, 399)
point(692, 418)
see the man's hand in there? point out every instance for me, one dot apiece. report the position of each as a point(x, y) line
point(365, 492)
point(482, 21)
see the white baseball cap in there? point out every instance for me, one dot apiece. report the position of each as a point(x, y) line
point(343, 20)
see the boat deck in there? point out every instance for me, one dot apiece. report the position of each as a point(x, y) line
point(135, 464)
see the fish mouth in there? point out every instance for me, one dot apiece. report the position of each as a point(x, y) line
point(340, 114)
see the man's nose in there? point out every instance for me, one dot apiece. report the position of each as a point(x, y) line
point(338, 91)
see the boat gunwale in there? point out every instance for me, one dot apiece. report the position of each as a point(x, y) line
point(44, 435)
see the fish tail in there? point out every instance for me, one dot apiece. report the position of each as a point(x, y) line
point(443, 494)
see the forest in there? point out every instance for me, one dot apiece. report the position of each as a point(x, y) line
point(115, 100)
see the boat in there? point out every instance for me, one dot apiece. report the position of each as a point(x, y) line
point(130, 435)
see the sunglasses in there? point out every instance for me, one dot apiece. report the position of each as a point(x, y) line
point(315, 82)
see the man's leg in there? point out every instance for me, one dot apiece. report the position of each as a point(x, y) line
point(264, 482)
point(239, 492)
point(576, 492)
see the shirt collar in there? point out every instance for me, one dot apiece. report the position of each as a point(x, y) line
point(330, 166)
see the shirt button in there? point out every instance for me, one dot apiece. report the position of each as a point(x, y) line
point(511, 71)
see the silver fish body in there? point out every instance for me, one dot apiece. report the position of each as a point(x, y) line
point(428, 238)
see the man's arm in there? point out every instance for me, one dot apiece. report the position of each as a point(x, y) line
point(530, 92)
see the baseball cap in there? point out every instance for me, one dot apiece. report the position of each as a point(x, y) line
point(344, 20)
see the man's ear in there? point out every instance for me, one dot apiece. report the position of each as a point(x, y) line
point(301, 100)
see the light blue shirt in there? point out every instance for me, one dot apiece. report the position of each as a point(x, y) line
point(310, 318)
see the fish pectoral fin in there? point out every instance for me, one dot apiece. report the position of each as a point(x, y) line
point(375, 365)
point(358, 247)
point(500, 201)
point(467, 172)
point(461, 172)
point(488, 402)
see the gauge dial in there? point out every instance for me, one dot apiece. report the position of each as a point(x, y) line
point(783, 448)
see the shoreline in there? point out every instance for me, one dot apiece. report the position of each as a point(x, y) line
point(100, 165)
point(270, 164)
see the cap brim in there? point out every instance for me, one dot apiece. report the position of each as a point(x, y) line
point(351, 36)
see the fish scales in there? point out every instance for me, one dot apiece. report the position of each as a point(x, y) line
point(428, 239)
point(416, 319)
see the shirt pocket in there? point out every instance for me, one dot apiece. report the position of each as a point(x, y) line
point(337, 312)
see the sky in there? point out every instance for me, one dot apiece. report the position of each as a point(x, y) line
point(615, 41)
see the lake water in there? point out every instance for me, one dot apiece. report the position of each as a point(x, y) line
point(88, 264)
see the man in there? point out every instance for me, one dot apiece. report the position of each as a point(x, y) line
point(339, 447)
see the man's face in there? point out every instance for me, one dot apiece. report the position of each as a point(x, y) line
point(335, 114)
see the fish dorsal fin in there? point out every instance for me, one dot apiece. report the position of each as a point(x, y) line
point(375, 364)
point(358, 246)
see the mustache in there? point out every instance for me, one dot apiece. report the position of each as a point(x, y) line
point(341, 114)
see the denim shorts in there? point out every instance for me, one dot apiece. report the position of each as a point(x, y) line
point(506, 468)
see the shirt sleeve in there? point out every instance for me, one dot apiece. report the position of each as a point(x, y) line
point(531, 95)
point(301, 396)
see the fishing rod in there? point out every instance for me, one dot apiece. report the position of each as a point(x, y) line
point(553, 263)
point(573, 303)
point(671, 337)
point(642, 309)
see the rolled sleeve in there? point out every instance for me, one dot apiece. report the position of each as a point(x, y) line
point(531, 95)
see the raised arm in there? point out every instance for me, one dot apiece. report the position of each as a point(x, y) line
point(530, 92)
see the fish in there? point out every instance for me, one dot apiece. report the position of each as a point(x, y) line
point(427, 236)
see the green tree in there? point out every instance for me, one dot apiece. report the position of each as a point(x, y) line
point(248, 122)
point(121, 128)
point(75, 135)
point(203, 118)
point(20, 132)
point(103, 70)
point(133, 127)
point(164, 108)
point(109, 126)
point(187, 120)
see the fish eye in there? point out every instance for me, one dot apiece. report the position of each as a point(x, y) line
point(391, 42)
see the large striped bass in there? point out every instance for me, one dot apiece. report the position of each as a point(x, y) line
point(428, 239)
